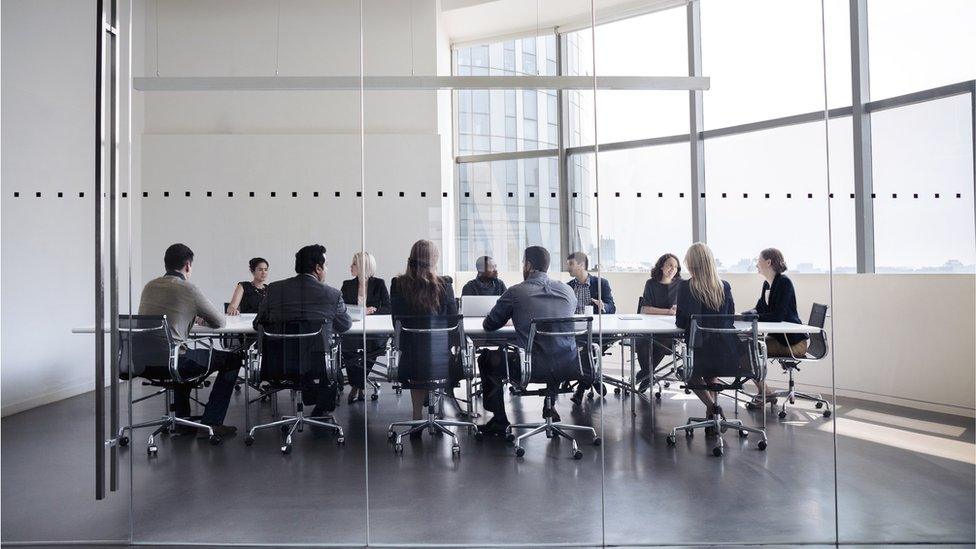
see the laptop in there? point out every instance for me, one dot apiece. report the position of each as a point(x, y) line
point(477, 305)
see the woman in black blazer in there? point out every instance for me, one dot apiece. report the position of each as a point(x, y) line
point(779, 305)
point(420, 291)
point(363, 289)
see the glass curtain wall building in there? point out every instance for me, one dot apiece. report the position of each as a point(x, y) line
point(763, 116)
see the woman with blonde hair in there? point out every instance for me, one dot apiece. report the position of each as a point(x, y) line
point(364, 289)
point(704, 293)
point(420, 291)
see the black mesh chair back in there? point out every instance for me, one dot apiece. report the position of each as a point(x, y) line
point(640, 304)
point(146, 347)
point(427, 350)
point(717, 348)
point(817, 347)
point(554, 351)
point(292, 348)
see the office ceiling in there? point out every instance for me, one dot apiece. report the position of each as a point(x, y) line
point(473, 20)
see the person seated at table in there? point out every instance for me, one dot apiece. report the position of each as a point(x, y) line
point(184, 305)
point(306, 296)
point(590, 290)
point(487, 281)
point(366, 290)
point(537, 297)
point(420, 291)
point(660, 296)
point(779, 306)
point(704, 293)
point(249, 294)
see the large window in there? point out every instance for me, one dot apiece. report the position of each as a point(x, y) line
point(918, 45)
point(923, 182)
point(774, 68)
point(507, 205)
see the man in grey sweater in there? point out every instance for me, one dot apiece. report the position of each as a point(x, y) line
point(184, 304)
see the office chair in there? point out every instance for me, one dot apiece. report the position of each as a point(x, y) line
point(816, 351)
point(544, 360)
point(717, 349)
point(148, 350)
point(426, 353)
point(291, 350)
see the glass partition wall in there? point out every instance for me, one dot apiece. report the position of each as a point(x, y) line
point(264, 183)
point(425, 146)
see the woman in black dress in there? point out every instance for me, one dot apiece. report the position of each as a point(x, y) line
point(660, 296)
point(366, 290)
point(248, 295)
point(420, 291)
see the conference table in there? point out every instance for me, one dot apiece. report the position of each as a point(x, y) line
point(613, 328)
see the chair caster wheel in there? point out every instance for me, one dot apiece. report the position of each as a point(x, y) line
point(398, 448)
point(818, 405)
point(214, 440)
point(689, 433)
point(597, 441)
point(762, 445)
point(826, 413)
point(237, 388)
point(286, 449)
point(511, 390)
point(667, 384)
point(687, 391)
point(455, 450)
point(398, 391)
point(577, 454)
point(743, 433)
point(510, 437)
point(717, 451)
point(478, 435)
point(589, 396)
point(782, 414)
point(123, 441)
point(341, 441)
point(151, 450)
point(672, 440)
point(284, 429)
point(206, 383)
point(657, 395)
point(750, 406)
point(374, 396)
point(391, 436)
point(248, 440)
point(519, 451)
point(616, 390)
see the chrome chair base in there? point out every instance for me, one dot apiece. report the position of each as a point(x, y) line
point(552, 429)
point(719, 424)
point(431, 424)
point(791, 396)
point(290, 424)
point(166, 423)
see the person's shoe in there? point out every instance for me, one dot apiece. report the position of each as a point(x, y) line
point(577, 397)
point(495, 426)
point(352, 397)
point(643, 380)
point(221, 431)
point(551, 413)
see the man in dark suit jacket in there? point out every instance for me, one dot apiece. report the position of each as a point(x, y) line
point(307, 297)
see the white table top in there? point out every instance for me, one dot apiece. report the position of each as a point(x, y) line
point(607, 324)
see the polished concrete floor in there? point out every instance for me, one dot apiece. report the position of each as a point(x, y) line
point(905, 476)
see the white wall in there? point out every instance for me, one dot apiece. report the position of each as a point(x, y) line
point(905, 339)
point(47, 244)
point(291, 142)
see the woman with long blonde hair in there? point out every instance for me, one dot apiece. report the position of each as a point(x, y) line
point(703, 293)
point(367, 290)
